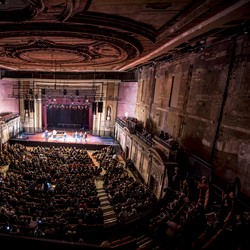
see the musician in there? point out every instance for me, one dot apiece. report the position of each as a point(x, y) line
point(76, 135)
point(46, 135)
point(85, 136)
point(80, 136)
point(54, 134)
point(64, 135)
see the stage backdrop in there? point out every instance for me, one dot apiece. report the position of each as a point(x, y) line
point(68, 118)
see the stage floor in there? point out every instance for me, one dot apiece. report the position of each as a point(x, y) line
point(92, 142)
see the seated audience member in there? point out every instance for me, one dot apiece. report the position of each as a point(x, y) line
point(204, 191)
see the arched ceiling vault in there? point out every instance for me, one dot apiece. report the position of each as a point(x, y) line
point(109, 36)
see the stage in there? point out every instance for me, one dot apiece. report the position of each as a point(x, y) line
point(59, 138)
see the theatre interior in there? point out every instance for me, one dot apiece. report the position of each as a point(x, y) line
point(125, 124)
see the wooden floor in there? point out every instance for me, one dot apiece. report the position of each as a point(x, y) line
point(92, 142)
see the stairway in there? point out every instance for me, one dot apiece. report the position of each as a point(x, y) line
point(109, 214)
point(144, 243)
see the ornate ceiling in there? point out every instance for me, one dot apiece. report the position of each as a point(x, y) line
point(108, 35)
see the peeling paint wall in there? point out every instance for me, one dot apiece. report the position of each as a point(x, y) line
point(127, 99)
point(211, 115)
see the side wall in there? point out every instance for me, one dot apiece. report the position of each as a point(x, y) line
point(127, 99)
point(7, 102)
point(202, 100)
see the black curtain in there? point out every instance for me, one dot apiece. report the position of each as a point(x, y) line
point(67, 117)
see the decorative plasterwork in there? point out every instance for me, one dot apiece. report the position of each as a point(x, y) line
point(27, 10)
point(88, 51)
point(40, 35)
point(158, 155)
point(156, 172)
point(94, 35)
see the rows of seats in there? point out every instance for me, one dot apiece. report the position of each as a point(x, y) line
point(48, 191)
point(189, 216)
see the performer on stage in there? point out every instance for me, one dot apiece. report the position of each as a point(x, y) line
point(64, 135)
point(46, 135)
point(54, 134)
point(85, 136)
point(76, 135)
point(80, 136)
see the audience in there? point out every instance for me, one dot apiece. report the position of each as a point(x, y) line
point(45, 188)
point(50, 192)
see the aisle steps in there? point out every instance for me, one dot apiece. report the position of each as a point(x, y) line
point(144, 243)
point(109, 214)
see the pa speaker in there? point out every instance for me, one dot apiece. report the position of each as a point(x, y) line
point(31, 106)
point(94, 108)
point(100, 107)
point(26, 104)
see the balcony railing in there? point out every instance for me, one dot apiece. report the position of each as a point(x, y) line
point(7, 116)
point(135, 127)
point(170, 143)
point(147, 139)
